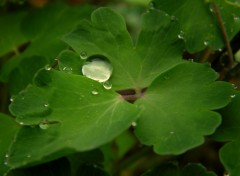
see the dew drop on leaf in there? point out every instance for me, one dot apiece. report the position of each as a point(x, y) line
point(95, 92)
point(43, 126)
point(46, 105)
point(48, 67)
point(83, 55)
point(233, 96)
point(107, 85)
point(21, 123)
point(171, 132)
point(205, 43)
point(134, 124)
point(6, 156)
point(67, 69)
point(29, 156)
point(97, 68)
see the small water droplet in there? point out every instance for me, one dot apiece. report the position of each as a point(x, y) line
point(171, 132)
point(233, 96)
point(11, 99)
point(95, 92)
point(211, 9)
point(83, 55)
point(151, 5)
point(48, 67)
point(220, 49)
point(67, 69)
point(6, 163)
point(107, 85)
point(205, 43)
point(98, 69)
point(6, 156)
point(29, 156)
point(134, 124)
point(43, 126)
point(23, 98)
point(46, 105)
point(21, 123)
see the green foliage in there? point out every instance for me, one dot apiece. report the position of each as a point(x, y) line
point(86, 99)
point(173, 169)
point(230, 131)
point(8, 129)
point(201, 28)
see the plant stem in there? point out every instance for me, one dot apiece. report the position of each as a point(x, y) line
point(224, 33)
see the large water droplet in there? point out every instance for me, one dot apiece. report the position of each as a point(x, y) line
point(83, 55)
point(98, 69)
point(95, 92)
point(107, 85)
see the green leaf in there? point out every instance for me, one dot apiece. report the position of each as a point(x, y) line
point(44, 35)
point(25, 70)
point(66, 117)
point(70, 62)
point(230, 131)
point(163, 170)
point(201, 29)
point(11, 36)
point(177, 108)
point(157, 49)
point(8, 129)
point(196, 170)
point(173, 170)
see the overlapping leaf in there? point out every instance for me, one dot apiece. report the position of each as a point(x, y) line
point(177, 108)
point(201, 29)
point(66, 116)
point(230, 131)
point(43, 36)
point(173, 170)
point(8, 129)
point(11, 37)
point(157, 49)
